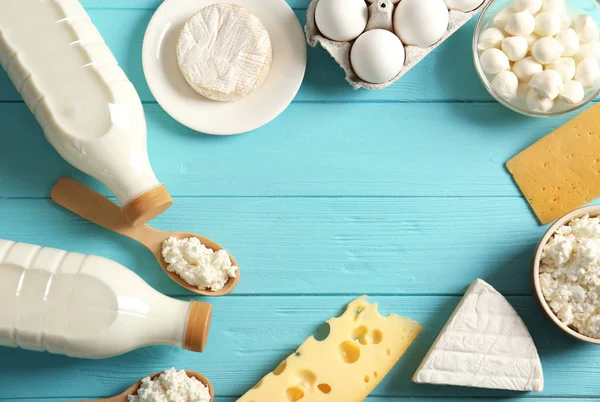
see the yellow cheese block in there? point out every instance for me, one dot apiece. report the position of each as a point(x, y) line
point(360, 350)
point(561, 171)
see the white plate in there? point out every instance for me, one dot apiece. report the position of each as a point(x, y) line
point(224, 118)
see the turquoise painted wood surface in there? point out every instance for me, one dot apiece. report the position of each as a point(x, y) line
point(400, 194)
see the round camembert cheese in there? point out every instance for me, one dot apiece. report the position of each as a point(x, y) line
point(224, 52)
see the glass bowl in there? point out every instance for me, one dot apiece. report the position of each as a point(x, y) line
point(574, 8)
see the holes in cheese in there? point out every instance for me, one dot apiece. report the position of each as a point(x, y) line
point(280, 368)
point(336, 368)
point(350, 351)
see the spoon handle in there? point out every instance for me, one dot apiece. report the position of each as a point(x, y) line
point(85, 202)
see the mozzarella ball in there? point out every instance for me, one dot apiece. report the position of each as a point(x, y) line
point(533, 6)
point(493, 61)
point(526, 68)
point(547, 50)
point(377, 56)
point(537, 103)
point(555, 6)
point(587, 50)
point(463, 5)
point(572, 92)
point(565, 67)
point(506, 84)
point(588, 72)
point(341, 20)
point(586, 28)
point(501, 17)
point(421, 22)
point(547, 84)
point(515, 47)
point(569, 40)
point(491, 37)
point(520, 24)
point(547, 24)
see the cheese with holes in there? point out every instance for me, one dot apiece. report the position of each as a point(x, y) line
point(484, 344)
point(361, 348)
point(561, 171)
point(224, 52)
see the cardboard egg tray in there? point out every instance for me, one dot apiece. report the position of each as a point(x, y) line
point(340, 51)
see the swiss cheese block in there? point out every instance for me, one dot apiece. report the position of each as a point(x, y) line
point(360, 350)
point(224, 52)
point(561, 171)
point(484, 344)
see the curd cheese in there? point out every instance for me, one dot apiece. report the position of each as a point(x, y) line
point(570, 275)
point(171, 386)
point(198, 265)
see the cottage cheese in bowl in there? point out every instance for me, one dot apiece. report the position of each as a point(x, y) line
point(569, 274)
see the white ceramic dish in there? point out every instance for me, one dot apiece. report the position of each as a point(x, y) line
point(224, 118)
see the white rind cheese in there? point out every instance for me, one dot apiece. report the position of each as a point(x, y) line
point(484, 344)
point(224, 52)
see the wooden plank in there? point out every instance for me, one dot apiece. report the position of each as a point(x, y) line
point(445, 75)
point(320, 245)
point(326, 150)
point(250, 335)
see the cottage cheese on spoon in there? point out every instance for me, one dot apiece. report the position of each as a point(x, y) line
point(198, 265)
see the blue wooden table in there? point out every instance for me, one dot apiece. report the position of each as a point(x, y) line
point(401, 194)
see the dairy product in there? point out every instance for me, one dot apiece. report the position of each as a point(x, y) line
point(87, 306)
point(540, 38)
point(224, 52)
point(506, 84)
point(570, 275)
point(198, 265)
point(361, 348)
point(171, 386)
point(560, 172)
point(87, 107)
point(484, 344)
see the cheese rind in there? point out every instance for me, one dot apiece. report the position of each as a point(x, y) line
point(224, 52)
point(561, 171)
point(361, 348)
point(484, 344)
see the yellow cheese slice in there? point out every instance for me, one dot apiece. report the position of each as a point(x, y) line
point(561, 171)
point(360, 350)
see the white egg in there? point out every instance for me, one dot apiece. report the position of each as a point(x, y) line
point(586, 28)
point(515, 47)
point(377, 56)
point(588, 72)
point(421, 22)
point(526, 68)
point(570, 41)
point(572, 92)
point(537, 103)
point(547, 50)
point(547, 24)
point(587, 50)
point(533, 6)
point(506, 84)
point(565, 67)
point(494, 61)
point(341, 20)
point(520, 24)
point(555, 6)
point(501, 17)
point(491, 37)
point(547, 84)
point(463, 5)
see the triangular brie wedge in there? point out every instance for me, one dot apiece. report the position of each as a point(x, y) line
point(484, 344)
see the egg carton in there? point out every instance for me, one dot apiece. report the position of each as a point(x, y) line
point(340, 51)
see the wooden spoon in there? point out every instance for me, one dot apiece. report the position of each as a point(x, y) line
point(134, 388)
point(85, 202)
